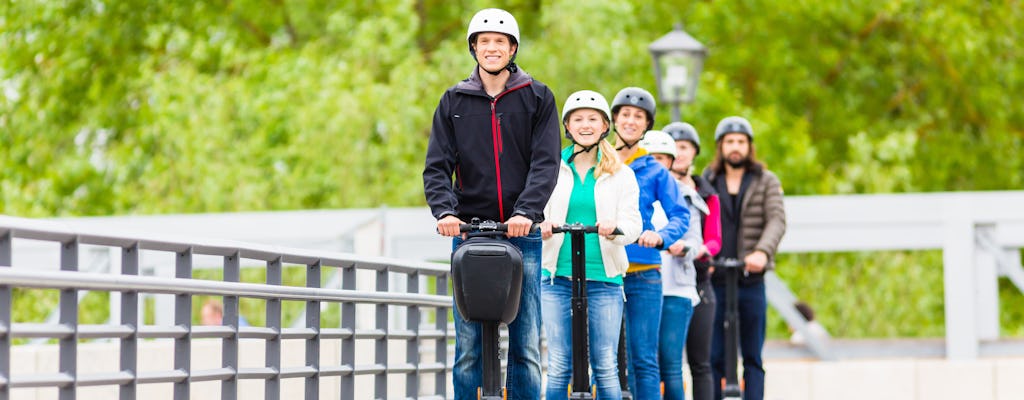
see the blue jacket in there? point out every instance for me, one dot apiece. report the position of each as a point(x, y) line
point(657, 184)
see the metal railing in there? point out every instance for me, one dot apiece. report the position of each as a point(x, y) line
point(426, 316)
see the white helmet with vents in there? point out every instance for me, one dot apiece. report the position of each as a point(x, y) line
point(586, 99)
point(493, 20)
point(659, 142)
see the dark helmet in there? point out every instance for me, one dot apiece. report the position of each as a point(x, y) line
point(734, 124)
point(636, 97)
point(683, 131)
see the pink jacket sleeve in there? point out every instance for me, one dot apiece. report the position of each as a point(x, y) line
point(713, 228)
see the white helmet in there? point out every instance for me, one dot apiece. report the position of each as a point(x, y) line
point(493, 20)
point(586, 99)
point(659, 142)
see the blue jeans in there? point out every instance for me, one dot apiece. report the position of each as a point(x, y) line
point(643, 318)
point(604, 318)
point(523, 378)
point(675, 321)
point(753, 310)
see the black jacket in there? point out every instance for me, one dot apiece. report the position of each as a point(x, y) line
point(503, 151)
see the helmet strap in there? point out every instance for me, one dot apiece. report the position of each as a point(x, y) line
point(585, 149)
point(625, 144)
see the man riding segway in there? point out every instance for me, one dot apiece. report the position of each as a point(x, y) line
point(493, 155)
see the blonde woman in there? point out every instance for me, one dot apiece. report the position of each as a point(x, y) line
point(593, 188)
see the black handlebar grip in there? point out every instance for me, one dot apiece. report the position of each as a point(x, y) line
point(728, 263)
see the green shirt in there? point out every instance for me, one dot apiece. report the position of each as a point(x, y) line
point(582, 210)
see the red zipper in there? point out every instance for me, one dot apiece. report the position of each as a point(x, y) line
point(498, 147)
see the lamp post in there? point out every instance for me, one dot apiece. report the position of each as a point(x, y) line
point(678, 61)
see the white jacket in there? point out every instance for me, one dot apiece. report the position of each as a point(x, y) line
point(678, 275)
point(616, 197)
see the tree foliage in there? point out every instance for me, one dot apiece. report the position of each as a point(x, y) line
point(149, 107)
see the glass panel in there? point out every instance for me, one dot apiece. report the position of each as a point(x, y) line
point(676, 68)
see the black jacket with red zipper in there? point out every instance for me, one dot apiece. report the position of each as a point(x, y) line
point(503, 151)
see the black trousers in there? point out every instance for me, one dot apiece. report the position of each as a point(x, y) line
point(698, 342)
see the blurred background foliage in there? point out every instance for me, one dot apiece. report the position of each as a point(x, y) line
point(142, 107)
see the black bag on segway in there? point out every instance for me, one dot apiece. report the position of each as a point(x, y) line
point(487, 275)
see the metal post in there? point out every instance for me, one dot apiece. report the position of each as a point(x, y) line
point(441, 344)
point(959, 282)
point(381, 348)
point(580, 387)
point(732, 331)
point(348, 344)
point(229, 346)
point(986, 272)
point(676, 117)
point(273, 354)
point(69, 318)
point(183, 319)
point(5, 318)
point(130, 318)
point(412, 347)
point(313, 343)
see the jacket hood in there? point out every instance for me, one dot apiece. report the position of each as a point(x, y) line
point(474, 83)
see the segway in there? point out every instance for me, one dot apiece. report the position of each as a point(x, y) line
point(579, 387)
point(487, 278)
point(731, 390)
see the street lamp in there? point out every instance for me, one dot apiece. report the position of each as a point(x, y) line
point(678, 61)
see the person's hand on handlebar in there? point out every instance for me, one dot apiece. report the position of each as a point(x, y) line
point(701, 252)
point(545, 229)
point(649, 239)
point(449, 225)
point(518, 226)
point(678, 248)
point(756, 261)
point(605, 228)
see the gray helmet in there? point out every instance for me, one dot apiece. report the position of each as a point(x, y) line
point(683, 131)
point(734, 124)
point(636, 97)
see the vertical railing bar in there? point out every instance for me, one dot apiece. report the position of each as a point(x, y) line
point(412, 347)
point(441, 346)
point(5, 315)
point(381, 348)
point(229, 345)
point(348, 344)
point(130, 317)
point(273, 353)
point(183, 319)
point(313, 343)
point(69, 318)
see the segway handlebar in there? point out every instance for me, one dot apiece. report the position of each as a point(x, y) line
point(728, 263)
point(577, 227)
point(489, 226)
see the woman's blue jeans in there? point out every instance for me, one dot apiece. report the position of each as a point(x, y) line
point(604, 318)
point(523, 378)
point(675, 321)
point(643, 321)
